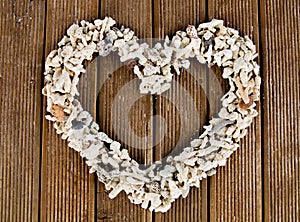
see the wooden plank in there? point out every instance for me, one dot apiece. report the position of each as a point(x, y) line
point(236, 189)
point(280, 50)
point(183, 107)
point(122, 110)
point(68, 190)
point(21, 53)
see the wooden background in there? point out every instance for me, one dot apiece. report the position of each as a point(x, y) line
point(42, 180)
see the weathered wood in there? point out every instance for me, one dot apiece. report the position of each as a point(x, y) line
point(21, 53)
point(236, 189)
point(117, 93)
point(68, 190)
point(281, 50)
point(183, 107)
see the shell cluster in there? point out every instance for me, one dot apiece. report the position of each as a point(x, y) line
point(157, 186)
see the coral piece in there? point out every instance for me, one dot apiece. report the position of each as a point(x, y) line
point(157, 186)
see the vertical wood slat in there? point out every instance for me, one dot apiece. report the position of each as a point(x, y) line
point(21, 53)
point(183, 107)
point(68, 190)
point(280, 50)
point(236, 189)
point(136, 15)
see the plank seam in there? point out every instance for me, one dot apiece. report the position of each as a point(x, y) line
point(208, 184)
point(98, 121)
point(42, 113)
point(153, 2)
point(262, 133)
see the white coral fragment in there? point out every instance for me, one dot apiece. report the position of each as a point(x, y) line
point(159, 184)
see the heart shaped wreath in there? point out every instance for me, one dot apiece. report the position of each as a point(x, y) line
point(157, 186)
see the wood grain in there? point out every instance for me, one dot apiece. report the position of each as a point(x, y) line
point(41, 179)
point(21, 53)
point(236, 189)
point(280, 50)
point(68, 190)
point(122, 110)
point(183, 108)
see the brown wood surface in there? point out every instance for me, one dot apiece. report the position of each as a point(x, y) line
point(243, 197)
point(281, 99)
point(120, 208)
point(41, 179)
point(21, 56)
point(183, 107)
point(67, 189)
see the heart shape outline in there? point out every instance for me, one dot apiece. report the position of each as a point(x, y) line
point(160, 184)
